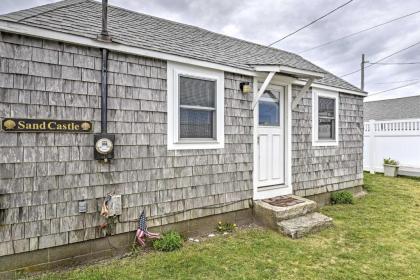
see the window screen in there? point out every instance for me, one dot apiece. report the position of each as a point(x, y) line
point(197, 100)
point(326, 118)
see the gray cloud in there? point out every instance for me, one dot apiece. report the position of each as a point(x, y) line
point(265, 21)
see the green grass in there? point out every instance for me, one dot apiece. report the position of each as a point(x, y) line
point(378, 237)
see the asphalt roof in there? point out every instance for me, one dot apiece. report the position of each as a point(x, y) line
point(83, 18)
point(393, 109)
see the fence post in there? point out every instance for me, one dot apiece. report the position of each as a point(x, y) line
point(372, 147)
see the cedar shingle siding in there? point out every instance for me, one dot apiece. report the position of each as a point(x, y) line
point(320, 169)
point(44, 175)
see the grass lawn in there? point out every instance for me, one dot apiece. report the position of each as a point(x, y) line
point(376, 238)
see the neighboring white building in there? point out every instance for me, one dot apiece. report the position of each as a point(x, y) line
point(393, 109)
point(392, 129)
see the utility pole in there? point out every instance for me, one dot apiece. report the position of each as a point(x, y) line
point(362, 73)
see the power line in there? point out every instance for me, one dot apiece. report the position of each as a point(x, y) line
point(396, 82)
point(382, 59)
point(396, 63)
point(312, 22)
point(407, 85)
point(358, 32)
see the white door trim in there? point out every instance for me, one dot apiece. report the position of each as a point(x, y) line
point(287, 187)
point(270, 147)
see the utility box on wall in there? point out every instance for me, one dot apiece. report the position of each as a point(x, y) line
point(115, 206)
point(104, 146)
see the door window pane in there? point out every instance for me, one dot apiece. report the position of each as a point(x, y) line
point(269, 109)
point(326, 118)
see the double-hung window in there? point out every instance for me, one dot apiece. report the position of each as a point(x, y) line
point(195, 107)
point(325, 118)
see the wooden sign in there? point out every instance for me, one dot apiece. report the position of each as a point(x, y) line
point(31, 125)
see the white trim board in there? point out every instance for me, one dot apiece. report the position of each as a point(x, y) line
point(327, 94)
point(31, 31)
point(320, 86)
point(262, 89)
point(84, 41)
point(288, 70)
point(174, 141)
point(287, 187)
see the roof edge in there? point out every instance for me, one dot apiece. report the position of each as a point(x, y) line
point(23, 29)
point(333, 88)
point(289, 70)
point(37, 10)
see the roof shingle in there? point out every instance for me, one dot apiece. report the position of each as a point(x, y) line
point(83, 18)
point(392, 109)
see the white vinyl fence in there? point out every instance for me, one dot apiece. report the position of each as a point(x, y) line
point(397, 139)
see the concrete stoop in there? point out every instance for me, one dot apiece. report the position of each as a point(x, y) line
point(291, 215)
point(303, 225)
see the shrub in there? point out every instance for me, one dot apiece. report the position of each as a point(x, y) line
point(390, 161)
point(170, 241)
point(225, 227)
point(344, 197)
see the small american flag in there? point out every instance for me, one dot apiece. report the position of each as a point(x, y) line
point(143, 222)
point(142, 231)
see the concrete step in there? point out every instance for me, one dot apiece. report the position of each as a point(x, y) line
point(303, 225)
point(270, 215)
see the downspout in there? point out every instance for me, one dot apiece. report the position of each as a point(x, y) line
point(104, 91)
point(104, 142)
point(104, 36)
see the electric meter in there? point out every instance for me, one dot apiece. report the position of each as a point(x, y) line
point(104, 146)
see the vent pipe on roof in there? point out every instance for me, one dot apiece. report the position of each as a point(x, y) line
point(104, 36)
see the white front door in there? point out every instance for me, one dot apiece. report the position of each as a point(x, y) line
point(269, 165)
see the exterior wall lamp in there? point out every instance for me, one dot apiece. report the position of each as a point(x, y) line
point(245, 87)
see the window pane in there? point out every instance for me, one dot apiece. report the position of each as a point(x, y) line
point(326, 107)
point(196, 92)
point(326, 118)
point(326, 128)
point(196, 123)
point(272, 95)
point(268, 113)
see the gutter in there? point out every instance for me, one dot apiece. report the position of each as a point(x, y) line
point(22, 29)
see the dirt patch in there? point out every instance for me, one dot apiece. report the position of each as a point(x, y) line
point(138, 251)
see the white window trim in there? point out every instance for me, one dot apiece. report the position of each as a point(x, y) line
point(174, 71)
point(328, 94)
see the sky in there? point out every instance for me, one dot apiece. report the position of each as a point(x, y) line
point(265, 21)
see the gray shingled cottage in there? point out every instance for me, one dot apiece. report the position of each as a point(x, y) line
point(204, 125)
